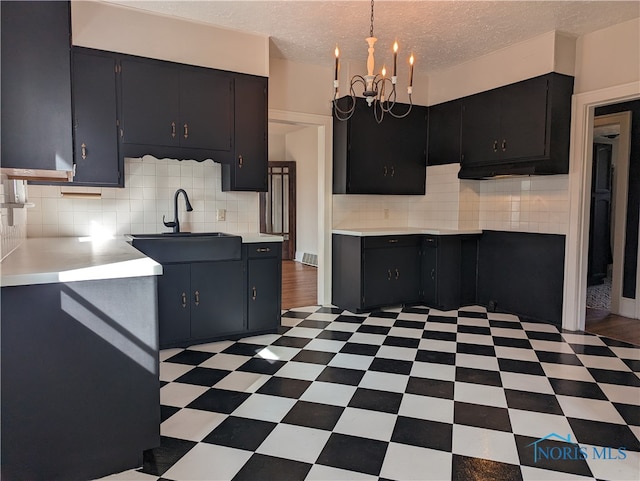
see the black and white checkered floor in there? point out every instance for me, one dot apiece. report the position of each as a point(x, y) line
point(402, 394)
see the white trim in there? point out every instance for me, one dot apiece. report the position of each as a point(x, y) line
point(627, 307)
point(580, 157)
point(324, 124)
point(620, 189)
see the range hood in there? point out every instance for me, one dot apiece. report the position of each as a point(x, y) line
point(488, 171)
point(37, 174)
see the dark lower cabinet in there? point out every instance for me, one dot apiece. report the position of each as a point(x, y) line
point(379, 271)
point(264, 286)
point(449, 271)
point(80, 387)
point(371, 272)
point(206, 301)
point(200, 300)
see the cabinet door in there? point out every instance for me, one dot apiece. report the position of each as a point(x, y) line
point(174, 304)
point(248, 171)
point(407, 140)
point(480, 131)
point(36, 85)
point(150, 102)
point(94, 120)
point(369, 153)
point(217, 299)
point(378, 277)
point(523, 120)
point(444, 133)
point(430, 271)
point(406, 274)
point(264, 294)
point(206, 109)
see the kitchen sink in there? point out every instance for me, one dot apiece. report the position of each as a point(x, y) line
point(171, 247)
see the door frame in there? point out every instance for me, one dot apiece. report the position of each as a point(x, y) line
point(291, 241)
point(580, 160)
point(324, 128)
point(619, 305)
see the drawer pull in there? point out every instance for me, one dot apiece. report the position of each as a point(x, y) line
point(433, 273)
point(186, 131)
point(504, 145)
point(197, 297)
point(263, 249)
point(240, 161)
point(253, 293)
point(84, 151)
point(389, 274)
point(385, 170)
point(392, 241)
point(184, 300)
point(393, 171)
point(495, 145)
point(397, 274)
point(173, 130)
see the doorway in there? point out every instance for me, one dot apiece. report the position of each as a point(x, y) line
point(278, 206)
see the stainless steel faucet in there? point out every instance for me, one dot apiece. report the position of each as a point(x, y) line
point(175, 224)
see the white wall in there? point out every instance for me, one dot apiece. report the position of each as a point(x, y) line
point(139, 207)
point(608, 57)
point(127, 30)
point(302, 147)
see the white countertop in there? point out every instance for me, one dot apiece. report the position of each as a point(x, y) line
point(254, 237)
point(67, 259)
point(363, 232)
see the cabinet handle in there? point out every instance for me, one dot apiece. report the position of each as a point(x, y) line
point(504, 145)
point(433, 273)
point(253, 293)
point(240, 161)
point(184, 300)
point(392, 241)
point(263, 249)
point(393, 171)
point(388, 274)
point(495, 145)
point(197, 298)
point(173, 130)
point(385, 170)
point(84, 151)
point(397, 274)
point(186, 131)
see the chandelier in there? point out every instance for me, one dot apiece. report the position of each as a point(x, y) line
point(378, 90)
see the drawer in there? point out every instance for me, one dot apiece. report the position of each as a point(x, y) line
point(391, 241)
point(263, 249)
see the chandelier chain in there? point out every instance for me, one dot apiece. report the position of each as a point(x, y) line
point(371, 30)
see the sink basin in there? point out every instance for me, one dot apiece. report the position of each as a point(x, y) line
point(172, 247)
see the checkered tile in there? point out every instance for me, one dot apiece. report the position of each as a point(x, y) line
point(399, 394)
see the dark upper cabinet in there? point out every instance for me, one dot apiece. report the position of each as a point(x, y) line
point(95, 119)
point(444, 133)
point(177, 111)
point(247, 171)
point(36, 85)
point(385, 158)
point(522, 128)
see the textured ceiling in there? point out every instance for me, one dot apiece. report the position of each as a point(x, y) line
point(440, 33)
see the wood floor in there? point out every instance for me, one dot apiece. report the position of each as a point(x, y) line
point(602, 322)
point(300, 284)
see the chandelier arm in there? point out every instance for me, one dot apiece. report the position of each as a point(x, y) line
point(348, 112)
point(402, 116)
point(377, 104)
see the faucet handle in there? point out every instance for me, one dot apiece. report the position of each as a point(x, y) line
point(171, 224)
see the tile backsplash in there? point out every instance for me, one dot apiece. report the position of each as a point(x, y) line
point(139, 207)
point(13, 222)
point(524, 204)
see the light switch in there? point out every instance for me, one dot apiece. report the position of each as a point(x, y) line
point(221, 214)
